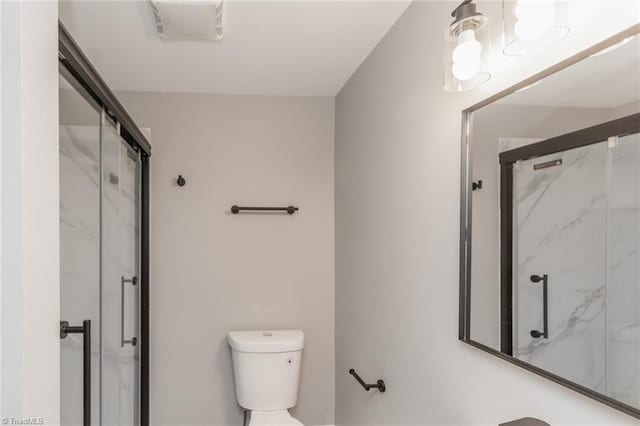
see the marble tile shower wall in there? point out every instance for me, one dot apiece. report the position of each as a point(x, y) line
point(79, 262)
point(83, 210)
point(580, 224)
point(560, 214)
point(119, 398)
point(623, 280)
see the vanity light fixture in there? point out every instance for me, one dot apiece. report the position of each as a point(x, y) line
point(531, 25)
point(467, 44)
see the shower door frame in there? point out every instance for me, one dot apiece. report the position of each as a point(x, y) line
point(71, 57)
point(580, 138)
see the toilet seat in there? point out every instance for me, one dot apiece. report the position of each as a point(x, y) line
point(272, 418)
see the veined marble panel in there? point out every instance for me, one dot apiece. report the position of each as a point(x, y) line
point(579, 223)
point(89, 291)
point(79, 263)
point(120, 302)
point(560, 230)
point(623, 271)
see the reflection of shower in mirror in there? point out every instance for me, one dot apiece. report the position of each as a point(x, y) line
point(559, 293)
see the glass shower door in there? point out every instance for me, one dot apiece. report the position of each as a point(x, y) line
point(576, 248)
point(80, 245)
point(559, 220)
point(99, 254)
point(623, 270)
point(120, 276)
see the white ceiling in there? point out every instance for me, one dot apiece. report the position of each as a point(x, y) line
point(295, 48)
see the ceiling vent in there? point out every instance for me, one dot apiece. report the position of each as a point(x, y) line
point(188, 19)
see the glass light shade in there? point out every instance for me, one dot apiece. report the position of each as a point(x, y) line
point(467, 44)
point(532, 25)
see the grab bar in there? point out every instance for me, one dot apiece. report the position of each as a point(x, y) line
point(290, 209)
point(85, 330)
point(545, 306)
point(379, 384)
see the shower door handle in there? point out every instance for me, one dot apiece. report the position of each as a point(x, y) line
point(85, 330)
point(545, 306)
point(134, 340)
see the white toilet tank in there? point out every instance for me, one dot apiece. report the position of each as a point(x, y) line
point(266, 368)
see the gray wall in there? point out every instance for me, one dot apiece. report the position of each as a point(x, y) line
point(397, 233)
point(213, 271)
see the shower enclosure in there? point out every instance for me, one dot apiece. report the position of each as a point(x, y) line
point(103, 253)
point(573, 207)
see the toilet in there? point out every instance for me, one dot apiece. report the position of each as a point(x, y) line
point(266, 370)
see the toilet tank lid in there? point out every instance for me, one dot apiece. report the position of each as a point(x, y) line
point(266, 341)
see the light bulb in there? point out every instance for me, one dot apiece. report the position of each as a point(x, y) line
point(466, 56)
point(535, 18)
point(465, 70)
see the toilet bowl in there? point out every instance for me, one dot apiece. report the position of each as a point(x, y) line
point(266, 371)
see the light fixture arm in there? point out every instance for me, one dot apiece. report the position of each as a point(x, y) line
point(466, 9)
point(466, 16)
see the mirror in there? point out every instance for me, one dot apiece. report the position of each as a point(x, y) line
point(550, 245)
